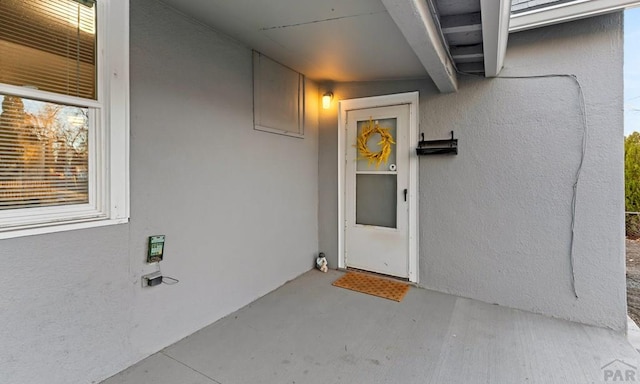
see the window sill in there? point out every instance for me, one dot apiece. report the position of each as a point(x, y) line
point(71, 226)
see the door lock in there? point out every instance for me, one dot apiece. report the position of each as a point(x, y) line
point(405, 194)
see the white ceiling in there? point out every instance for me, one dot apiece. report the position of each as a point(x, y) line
point(358, 40)
point(339, 40)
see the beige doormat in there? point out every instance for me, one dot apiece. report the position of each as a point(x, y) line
point(372, 285)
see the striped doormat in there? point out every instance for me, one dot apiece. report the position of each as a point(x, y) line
point(372, 285)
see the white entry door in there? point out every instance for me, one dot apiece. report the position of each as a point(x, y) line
point(377, 195)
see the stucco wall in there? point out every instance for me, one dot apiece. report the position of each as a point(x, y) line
point(495, 220)
point(238, 206)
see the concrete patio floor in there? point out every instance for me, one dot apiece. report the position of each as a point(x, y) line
point(308, 331)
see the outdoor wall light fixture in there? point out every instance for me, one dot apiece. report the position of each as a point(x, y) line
point(326, 100)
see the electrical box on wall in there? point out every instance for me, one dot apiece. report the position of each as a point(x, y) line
point(152, 279)
point(155, 249)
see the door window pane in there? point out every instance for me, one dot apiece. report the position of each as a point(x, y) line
point(372, 144)
point(376, 199)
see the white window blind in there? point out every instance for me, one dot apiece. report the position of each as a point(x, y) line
point(49, 45)
point(46, 45)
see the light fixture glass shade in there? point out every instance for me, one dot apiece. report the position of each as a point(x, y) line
point(326, 100)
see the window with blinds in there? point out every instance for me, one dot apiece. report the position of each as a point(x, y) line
point(43, 153)
point(46, 45)
point(49, 45)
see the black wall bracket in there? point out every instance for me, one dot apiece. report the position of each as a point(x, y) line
point(437, 147)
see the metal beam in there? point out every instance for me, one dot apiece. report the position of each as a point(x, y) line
point(476, 67)
point(467, 52)
point(495, 33)
point(468, 22)
point(416, 22)
point(568, 11)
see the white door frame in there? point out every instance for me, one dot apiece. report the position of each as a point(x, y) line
point(410, 98)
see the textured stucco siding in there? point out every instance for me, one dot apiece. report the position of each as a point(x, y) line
point(242, 209)
point(238, 207)
point(495, 220)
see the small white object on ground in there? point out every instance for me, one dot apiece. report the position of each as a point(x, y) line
point(321, 262)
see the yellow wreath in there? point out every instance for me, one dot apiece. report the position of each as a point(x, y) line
point(386, 140)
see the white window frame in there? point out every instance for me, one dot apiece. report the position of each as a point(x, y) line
point(108, 137)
